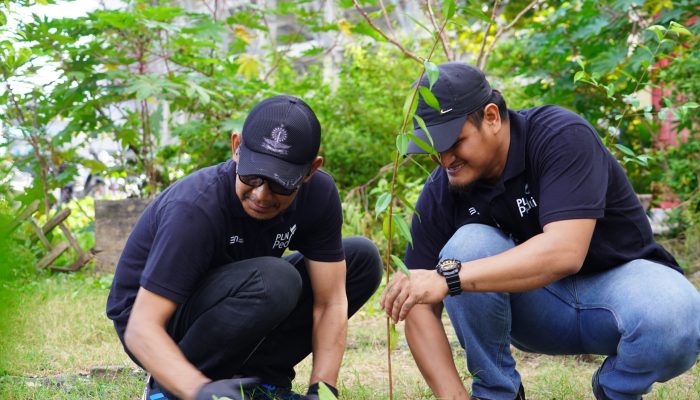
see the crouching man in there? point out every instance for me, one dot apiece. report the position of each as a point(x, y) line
point(203, 298)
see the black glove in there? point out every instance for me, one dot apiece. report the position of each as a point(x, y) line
point(312, 393)
point(235, 389)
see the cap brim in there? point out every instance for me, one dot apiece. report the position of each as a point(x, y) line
point(444, 135)
point(285, 173)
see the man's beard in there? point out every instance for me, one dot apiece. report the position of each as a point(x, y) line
point(465, 189)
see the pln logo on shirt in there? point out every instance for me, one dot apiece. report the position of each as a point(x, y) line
point(282, 239)
point(525, 203)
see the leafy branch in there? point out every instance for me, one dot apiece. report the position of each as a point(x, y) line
point(662, 37)
point(385, 202)
point(383, 34)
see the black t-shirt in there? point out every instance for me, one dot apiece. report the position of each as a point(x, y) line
point(198, 224)
point(557, 169)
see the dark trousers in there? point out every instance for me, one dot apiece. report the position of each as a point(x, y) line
point(254, 317)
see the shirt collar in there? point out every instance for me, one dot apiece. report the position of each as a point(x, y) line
point(515, 164)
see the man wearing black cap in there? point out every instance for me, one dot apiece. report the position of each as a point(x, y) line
point(204, 299)
point(530, 234)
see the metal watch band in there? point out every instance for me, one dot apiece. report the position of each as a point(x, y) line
point(454, 286)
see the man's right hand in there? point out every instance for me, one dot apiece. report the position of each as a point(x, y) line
point(234, 389)
point(423, 286)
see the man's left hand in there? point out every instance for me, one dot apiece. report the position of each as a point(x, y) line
point(423, 286)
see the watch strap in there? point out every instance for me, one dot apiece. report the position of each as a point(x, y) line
point(454, 286)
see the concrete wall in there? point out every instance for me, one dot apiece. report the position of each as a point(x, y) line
point(114, 220)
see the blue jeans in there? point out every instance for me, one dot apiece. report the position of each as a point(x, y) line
point(644, 316)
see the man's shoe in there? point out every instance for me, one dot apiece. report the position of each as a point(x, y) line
point(598, 392)
point(152, 391)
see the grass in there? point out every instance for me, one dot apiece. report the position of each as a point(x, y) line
point(55, 333)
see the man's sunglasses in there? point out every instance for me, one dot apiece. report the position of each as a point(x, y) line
point(257, 181)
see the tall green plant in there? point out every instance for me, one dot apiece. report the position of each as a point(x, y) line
point(395, 226)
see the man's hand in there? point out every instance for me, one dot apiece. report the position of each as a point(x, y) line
point(424, 286)
point(234, 389)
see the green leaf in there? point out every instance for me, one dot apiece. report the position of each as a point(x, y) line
point(402, 144)
point(646, 48)
point(690, 104)
point(400, 265)
point(422, 125)
point(625, 150)
point(404, 229)
point(610, 89)
point(628, 75)
point(420, 24)
point(579, 75)
point(232, 125)
point(474, 12)
point(324, 393)
point(448, 7)
point(408, 204)
point(679, 29)
point(22, 57)
point(410, 104)
point(429, 98)
point(423, 145)
point(385, 229)
point(3, 18)
point(433, 72)
point(382, 203)
point(393, 336)
point(202, 93)
point(658, 30)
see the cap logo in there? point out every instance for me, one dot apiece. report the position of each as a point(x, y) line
point(275, 143)
point(445, 111)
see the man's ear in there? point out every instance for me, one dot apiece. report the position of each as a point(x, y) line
point(318, 162)
point(492, 117)
point(235, 144)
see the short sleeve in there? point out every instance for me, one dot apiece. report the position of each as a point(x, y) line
point(573, 170)
point(183, 245)
point(321, 238)
point(431, 228)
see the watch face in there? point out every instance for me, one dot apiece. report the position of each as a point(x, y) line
point(448, 265)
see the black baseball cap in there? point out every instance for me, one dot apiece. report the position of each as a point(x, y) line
point(280, 140)
point(460, 89)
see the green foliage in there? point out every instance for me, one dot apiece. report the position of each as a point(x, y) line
point(359, 110)
point(682, 177)
point(595, 57)
point(17, 257)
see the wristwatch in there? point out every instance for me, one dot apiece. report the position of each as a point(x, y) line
point(449, 268)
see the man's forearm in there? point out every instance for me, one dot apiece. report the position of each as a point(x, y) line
point(328, 341)
point(430, 348)
point(159, 354)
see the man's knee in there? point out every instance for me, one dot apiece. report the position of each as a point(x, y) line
point(281, 282)
point(475, 241)
point(362, 257)
point(672, 331)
